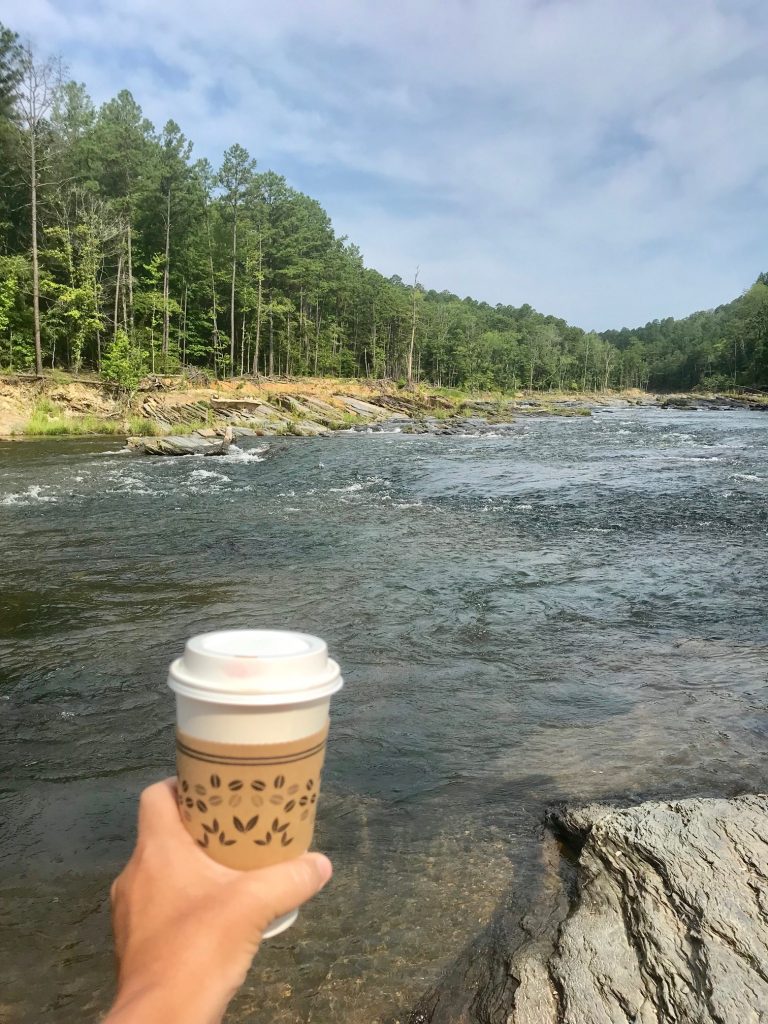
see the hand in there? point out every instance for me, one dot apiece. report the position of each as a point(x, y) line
point(187, 928)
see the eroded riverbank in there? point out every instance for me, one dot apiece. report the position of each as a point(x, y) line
point(62, 405)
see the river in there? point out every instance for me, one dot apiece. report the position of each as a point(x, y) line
point(574, 611)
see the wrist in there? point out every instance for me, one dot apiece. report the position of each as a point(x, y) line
point(163, 1003)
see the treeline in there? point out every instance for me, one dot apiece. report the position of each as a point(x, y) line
point(121, 253)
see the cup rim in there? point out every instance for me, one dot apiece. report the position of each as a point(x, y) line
point(185, 686)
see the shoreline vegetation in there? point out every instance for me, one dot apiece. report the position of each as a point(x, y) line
point(122, 254)
point(63, 405)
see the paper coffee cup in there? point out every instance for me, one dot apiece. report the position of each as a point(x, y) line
point(252, 721)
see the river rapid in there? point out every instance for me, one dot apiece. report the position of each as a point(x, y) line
point(574, 611)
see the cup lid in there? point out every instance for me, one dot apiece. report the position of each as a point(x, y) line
point(255, 666)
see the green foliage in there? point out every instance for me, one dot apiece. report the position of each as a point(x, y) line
point(48, 421)
point(153, 262)
point(140, 426)
point(123, 365)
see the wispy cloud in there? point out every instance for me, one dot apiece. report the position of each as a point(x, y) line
point(603, 161)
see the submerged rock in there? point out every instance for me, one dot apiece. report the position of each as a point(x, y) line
point(664, 917)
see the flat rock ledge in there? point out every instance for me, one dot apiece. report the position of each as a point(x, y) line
point(201, 442)
point(655, 913)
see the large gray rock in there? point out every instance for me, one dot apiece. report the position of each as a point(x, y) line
point(663, 918)
point(361, 408)
point(190, 444)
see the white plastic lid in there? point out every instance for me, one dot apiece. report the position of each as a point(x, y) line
point(255, 666)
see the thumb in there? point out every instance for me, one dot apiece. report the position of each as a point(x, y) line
point(271, 892)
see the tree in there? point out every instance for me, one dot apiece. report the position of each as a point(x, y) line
point(10, 78)
point(38, 83)
point(236, 180)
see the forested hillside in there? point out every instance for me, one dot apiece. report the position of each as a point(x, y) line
point(120, 252)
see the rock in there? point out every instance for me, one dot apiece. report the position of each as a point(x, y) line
point(663, 918)
point(715, 403)
point(192, 444)
point(357, 405)
point(308, 428)
point(331, 418)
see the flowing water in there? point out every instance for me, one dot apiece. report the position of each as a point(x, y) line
point(574, 611)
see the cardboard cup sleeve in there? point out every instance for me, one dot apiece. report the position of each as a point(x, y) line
point(249, 806)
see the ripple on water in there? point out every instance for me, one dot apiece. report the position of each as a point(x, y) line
point(575, 611)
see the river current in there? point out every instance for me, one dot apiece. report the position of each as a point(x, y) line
point(574, 611)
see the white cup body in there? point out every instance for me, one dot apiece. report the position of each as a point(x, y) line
point(228, 723)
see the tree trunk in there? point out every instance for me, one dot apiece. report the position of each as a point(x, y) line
point(413, 330)
point(258, 317)
point(317, 333)
point(232, 297)
point(242, 348)
point(131, 320)
point(166, 311)
point(271, 343)
point(183, 332)
point(35, 264)
point(117, 296)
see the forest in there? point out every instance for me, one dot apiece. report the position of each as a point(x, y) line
point(122, 254)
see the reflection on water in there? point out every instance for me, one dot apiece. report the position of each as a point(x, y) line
point(574, 611)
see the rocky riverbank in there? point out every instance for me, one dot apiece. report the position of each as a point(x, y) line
point(46, 406)
point(653, 913)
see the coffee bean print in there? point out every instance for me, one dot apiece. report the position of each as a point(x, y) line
point(277, 827)
point(265, 841)
point(289, 806)
point(304, 801)
point(189, 802)
point(179, 799)
point(203, 841)
point(201, 806)
point(257, 800)
point(279, 782)
point(236, 800)
point(304, 815)
point(200, 790)
point(216, 801)
point(293, 789)
point(284, 840)
point(235, 784)
point(258, 785)
point(224, 841)
point(184, 785)
point(310, 784)
point(276, 799)
point(215, 781)
point(313, 798)
point(213, 827)
point(187, 816)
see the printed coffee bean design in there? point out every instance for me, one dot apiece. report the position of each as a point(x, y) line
point(250, 808)
point(278, 831)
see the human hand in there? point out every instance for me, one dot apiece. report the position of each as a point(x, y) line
point(187, 928)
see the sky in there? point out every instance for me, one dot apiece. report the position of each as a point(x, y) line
point(604, 161)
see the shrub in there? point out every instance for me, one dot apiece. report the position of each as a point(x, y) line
point(123, 365)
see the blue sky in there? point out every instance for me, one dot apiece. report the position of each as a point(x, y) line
point(605, 161)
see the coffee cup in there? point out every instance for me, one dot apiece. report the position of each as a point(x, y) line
point(251, 726)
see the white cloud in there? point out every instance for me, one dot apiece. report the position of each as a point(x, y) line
point(595, 158)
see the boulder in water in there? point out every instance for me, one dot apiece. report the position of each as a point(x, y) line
point(198, 443)
point(663, 917)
